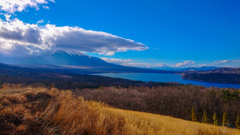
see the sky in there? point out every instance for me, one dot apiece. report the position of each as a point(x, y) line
point(140, 33)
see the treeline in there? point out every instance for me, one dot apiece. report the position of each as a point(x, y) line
point(214, 119)
point(197, 103)
point(63, 80)
point(219, 75)
point(26, 77)
point(40, 111)
point(161, 98)
point(74, 81)
point(176, 101)
point(233, 78)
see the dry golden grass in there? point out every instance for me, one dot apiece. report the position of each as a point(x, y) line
point(59, 112)
point(147, 123)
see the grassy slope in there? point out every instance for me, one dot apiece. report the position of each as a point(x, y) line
point(165, 125)
point(54, 112)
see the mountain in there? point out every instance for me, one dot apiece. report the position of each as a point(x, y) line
point(58, 57)
point(226, 70)
point(70, 61)
point(180, 69)
point(219, 75)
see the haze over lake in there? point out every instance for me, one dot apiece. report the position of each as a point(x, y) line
point(163, 77)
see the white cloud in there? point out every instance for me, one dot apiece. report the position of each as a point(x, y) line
point(142, 65)
point(123, 62)
point(187, 63)
point(132, 63)
point(15, 33)
point(40, 21)
point(45, 7)
point(12, 6)
point(127, 62)
point(162, 65)
point(224, 62)
point(7, 17)
point(184, 64)
point(202, 65)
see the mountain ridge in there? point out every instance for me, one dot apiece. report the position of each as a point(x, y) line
point(60, 59)
point(219, 75)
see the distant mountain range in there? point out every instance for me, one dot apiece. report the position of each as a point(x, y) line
point(72, 62)
point(54, 58)
point(76, 62)
point(220, 75)
point(187, 68)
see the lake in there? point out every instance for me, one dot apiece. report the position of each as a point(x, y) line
point(163, 77)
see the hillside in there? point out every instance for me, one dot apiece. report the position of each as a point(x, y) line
point(170, 99)
point(41, 111)
point(71, 62)
point(220, 75)
point(63, 80)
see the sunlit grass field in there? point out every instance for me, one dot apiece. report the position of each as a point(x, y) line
point(42, 111)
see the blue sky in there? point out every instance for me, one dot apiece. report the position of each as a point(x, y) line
point(164, 33)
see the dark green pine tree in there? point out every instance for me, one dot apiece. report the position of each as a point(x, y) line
point(204, 117)
point(215, 119)
point(224, 121)
point(237, 123)
point(194, 115)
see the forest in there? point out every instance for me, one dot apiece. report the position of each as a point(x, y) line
point(172, 99)
point(42, 110)
point(175, 101)
point(219, 75)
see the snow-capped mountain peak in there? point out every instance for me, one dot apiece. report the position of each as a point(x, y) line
point(71, 53)
point(74, 53)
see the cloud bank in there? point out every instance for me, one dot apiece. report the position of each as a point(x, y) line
point(187, 63)
point(15, 34)
point(130, 62)
point(184, 64)
point(12, 6)
point(123, 62)
point(224, 61)
point(127, 62)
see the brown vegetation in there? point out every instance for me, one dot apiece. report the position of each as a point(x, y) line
point(175, 101)
point(42, 111)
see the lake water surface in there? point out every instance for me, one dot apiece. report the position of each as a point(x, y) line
point(157, 77)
